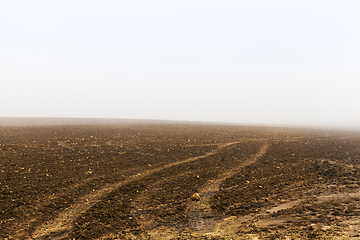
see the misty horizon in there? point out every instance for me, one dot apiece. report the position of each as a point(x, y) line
point(35, 121)
point(275, 63)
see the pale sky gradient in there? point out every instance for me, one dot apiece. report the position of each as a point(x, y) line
point(258, 62)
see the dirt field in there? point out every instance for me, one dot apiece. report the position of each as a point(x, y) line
point(178, 181)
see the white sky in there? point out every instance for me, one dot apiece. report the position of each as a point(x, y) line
point(258, 61)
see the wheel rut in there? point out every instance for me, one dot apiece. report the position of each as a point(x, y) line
point(201, 217)
point(62, 224)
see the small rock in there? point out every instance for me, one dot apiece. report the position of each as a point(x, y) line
point(195, 197)
point(313, 227)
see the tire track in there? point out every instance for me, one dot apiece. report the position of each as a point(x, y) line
point(202, 218)
point(214, 187)
point(61, 225)
point(45, 200)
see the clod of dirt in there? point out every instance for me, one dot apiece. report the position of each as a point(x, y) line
point(195, 197)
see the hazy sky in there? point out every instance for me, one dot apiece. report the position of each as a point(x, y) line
point(258, 61)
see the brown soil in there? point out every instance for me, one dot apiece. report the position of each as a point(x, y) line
point(136, 181)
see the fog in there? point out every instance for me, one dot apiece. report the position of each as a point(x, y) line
point(247, 62)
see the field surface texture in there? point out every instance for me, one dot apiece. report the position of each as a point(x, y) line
point(178, 181)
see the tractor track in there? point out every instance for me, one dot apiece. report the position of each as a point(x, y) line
point(61, 225)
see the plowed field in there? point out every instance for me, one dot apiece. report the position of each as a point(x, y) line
point(178, 181)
